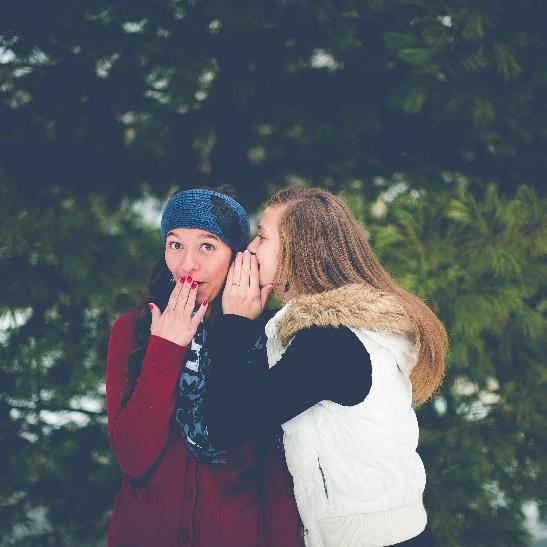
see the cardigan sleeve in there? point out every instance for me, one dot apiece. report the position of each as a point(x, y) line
point(137, 432)
point(243, 402)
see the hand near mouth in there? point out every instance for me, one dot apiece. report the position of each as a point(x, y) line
point(179, 322)
point(242, 293)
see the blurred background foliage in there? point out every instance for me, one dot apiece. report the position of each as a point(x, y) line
point(426, 116)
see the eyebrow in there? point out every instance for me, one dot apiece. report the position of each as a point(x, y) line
point(207, 235)
point(261, 228)
point(203, 235)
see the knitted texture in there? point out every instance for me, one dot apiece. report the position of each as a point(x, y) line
point(211, 211)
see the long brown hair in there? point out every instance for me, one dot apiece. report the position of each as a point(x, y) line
point(323, 247)
point(158, 290)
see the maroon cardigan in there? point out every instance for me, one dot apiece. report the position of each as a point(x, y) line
point(169, 499)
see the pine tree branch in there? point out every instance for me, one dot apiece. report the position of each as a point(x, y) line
point(51, 408)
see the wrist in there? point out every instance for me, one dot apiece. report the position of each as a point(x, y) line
point(235, 331)
point(163, 353)
point(248, 314)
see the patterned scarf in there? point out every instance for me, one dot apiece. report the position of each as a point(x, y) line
point(189, 414)
point(191, 389)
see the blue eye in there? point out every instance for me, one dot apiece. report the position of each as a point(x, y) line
point(175, 245)
point(209, 247)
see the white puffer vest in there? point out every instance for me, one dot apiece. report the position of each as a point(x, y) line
point(358, 480)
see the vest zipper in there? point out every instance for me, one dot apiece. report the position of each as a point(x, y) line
point(323, 477)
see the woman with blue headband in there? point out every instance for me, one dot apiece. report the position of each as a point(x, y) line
point(178, 488)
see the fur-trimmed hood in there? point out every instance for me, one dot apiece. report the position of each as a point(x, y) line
point(355, 306)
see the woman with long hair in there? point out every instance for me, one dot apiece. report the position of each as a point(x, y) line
point(178, 488)
point(348, 355)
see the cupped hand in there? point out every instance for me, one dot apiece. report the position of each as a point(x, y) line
point(176, 323)
point(242, 293)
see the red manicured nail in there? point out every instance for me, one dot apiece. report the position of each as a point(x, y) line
point(183, 279)
point(194, 285)
point(189, 279)
point(205, 302)
point(150, 306)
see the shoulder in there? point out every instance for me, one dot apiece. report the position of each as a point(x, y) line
point(121, 343)
point(334, 359)
point(327, 332)
point(122, 328)
point(266, 315)
point(328, 340)
point(354, 305)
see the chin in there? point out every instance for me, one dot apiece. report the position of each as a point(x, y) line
point(204, 294)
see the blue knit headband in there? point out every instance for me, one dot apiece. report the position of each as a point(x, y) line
point(210, 211)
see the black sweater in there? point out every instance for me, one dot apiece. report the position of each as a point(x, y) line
point(245, 400)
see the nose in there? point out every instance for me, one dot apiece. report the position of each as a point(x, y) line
point(189, 262)
point(252, 246)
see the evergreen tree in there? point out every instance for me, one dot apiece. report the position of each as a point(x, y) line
point(104, 103)
point(111, 95)
point(68, 267)
point(478, 262)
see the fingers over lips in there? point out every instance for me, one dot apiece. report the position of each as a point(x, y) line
point(245, 269)
point(173, 298)
point(237, 269)
point(254, 277)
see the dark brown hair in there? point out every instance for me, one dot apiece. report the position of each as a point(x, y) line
point(158, 290)
point(323, 247)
